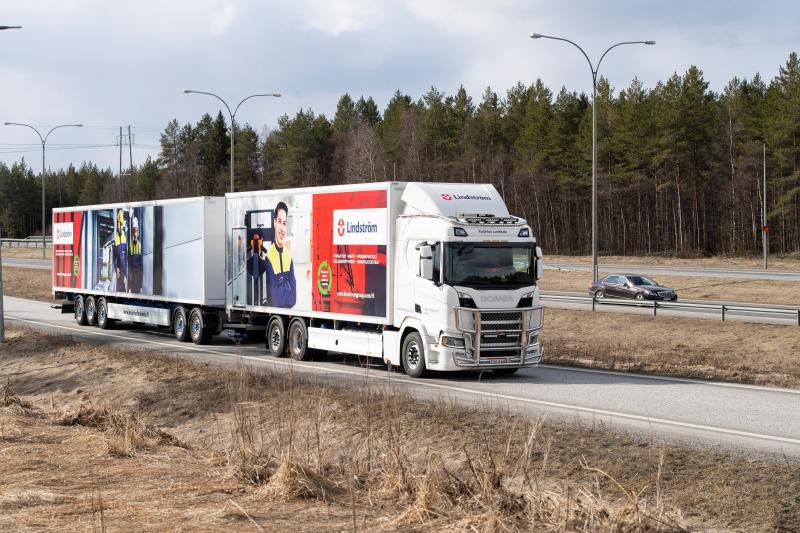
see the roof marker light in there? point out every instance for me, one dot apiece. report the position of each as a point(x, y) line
point(524, 232)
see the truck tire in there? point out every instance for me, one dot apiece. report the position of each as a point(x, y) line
point(297, 339)
point(91, 310)
point(180, 324)
point(413, 356)
point(80, 312)
point(102, 315)
point(197, 329)
point(276, 337)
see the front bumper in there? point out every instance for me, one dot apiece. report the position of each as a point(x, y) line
point(493, 338)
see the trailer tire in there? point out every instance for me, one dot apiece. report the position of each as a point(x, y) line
point(297, 339)
point(276, 337)
point(197, 329)
point(80, 312)
point(180, 324)
point(413, 356)
point(102, 315)
point(91, 310)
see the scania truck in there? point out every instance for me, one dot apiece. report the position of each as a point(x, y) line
point(424, 276)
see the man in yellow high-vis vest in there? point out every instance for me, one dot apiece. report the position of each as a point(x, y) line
point(281, 282)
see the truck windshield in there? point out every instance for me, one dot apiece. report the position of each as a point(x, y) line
point(495, 265)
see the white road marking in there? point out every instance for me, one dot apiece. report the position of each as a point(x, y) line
point(462, 390)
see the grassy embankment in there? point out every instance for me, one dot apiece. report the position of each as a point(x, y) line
point(102, 438)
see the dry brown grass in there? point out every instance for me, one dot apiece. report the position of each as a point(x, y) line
point(28, 283)
point(27, 253)
point(728, 351)
point(278, 452)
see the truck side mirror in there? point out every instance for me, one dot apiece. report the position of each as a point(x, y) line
point(426, 262)
point(539, 264)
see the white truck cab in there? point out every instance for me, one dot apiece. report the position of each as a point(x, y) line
point(465, 282)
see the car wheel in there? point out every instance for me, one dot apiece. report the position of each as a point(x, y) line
point(179, 324)
point(80, 312)
point(276, 337)
point(414, 355)
point(599, 294)
point(639, 296)
point(91, 310)
point(197, 329)
point(102, 315)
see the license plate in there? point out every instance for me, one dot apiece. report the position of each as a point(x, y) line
point(497, 359)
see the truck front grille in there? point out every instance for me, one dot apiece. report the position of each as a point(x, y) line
point(499, 337)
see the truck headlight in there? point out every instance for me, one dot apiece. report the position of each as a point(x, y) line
point(533, 337)
point(453, 342)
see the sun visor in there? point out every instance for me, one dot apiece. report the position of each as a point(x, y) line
point(453, 199)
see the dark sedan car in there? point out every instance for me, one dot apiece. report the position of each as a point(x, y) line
point(631, 286)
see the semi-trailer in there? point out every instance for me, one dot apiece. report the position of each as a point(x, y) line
point(424, 276)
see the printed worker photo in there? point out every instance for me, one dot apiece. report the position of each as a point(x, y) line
point(277, 262)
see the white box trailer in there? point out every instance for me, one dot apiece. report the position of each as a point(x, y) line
point(420, 275)
point(147, 262)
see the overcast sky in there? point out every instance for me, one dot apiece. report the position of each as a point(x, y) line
point(117, 63)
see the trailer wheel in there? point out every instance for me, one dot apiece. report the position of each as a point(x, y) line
point(91, 310)
point(414, 355)
point(298, 341)
point(180, 324)
point(102, 315)
point(276, 337)
point(199, 333)
point(80, 312)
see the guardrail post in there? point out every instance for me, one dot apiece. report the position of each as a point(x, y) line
point(798, 317)
point(594, 301)
point(655, 306)
point(723, 312)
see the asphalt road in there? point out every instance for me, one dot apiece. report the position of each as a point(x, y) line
point(704, 272)
point(24, 262)
point(748, 417)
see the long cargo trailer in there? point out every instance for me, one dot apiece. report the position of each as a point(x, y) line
point(423, 276)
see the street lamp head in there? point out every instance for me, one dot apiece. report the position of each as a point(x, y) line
point(651, 43)
point(187, 91)
point(276, 95)
point(535, 36)
point(7, 124)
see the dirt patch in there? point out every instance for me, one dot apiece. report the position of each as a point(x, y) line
point(691, 288)
point(789, 262)
point(277, 452)
point(27, 283)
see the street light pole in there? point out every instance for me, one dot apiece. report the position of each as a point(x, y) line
point(232, 114)
point(44, 142)
point(594, 131)
point(764, 228)
point(2, 316)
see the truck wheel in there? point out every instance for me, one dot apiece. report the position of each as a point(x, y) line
point(180, 324)
point(91, 310)
point(414, 355)
point(102, 315)
point(80, 312)
point(298, 340)
point(199, 333)
point(276, 337)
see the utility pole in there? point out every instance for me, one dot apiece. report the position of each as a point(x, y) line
point(130, 148)
point(764, 226)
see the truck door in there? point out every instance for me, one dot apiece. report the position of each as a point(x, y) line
point(237, 275)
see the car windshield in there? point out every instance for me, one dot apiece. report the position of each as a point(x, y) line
point(498, 265)
point(641, 280)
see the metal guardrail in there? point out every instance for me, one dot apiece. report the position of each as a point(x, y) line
point(28, 242)
point(720, 309)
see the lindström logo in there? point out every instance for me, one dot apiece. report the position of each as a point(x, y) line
point(448, 197)
point(62, 233)
point(360, 226)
